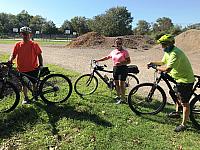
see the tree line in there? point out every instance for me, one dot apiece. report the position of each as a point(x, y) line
point(116, 21)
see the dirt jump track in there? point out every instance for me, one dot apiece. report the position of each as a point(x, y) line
point(78, 59)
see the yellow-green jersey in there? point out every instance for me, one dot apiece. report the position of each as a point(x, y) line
point(181, 68)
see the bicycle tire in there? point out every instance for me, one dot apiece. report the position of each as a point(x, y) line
point(131, 81)
point(55, 88)
point(141, 104)
point(86, 85)
point(9, 97)
point(195, 111)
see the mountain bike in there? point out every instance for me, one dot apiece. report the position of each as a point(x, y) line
point(88, 83)
point(52, 88)
point(150, 98)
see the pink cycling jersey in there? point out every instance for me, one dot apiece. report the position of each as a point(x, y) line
point(118, 56)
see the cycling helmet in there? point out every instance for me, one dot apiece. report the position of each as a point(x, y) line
point(25, 30)
point(167, 38)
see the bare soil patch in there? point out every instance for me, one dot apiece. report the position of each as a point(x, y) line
point(95, 40)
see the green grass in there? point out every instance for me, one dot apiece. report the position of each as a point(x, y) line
point(92, 123)
point(41, 42)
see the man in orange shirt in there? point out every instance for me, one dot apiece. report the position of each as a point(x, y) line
point(28, 54)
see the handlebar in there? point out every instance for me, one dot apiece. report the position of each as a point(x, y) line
point(154, 66)
point(95, 65)
point(8, 64)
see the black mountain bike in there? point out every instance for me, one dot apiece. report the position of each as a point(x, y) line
point(88, 83)
point(150, 98)
point(52, 88)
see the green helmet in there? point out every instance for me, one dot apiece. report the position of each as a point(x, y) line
point(167, 38)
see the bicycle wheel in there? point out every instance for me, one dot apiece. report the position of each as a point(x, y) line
point(9, 97)
point(55, 88)
point(131, 81)
point(146, 98)
point(195, 111)
point(86, 84)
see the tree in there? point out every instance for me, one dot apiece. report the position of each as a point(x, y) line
point(36, 23)
point(24, 18)
point(1, 28)
point(143, 27)
point(66, 26)
point(8, 22)
point(79, 24)
point(193, 26)
point(115, 22)
point(163, 24)
point(3, 22)
point(49, 28)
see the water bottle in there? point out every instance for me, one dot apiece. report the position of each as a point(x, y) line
point(111, 83)
point(106, 77)
point(27, 81)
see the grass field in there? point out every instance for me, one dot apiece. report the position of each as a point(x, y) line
point(40, 41)
point(92, 123)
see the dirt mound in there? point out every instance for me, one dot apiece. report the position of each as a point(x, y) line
point(189, 40)
point(90, 39)
point(138, 42)
point(95, 40)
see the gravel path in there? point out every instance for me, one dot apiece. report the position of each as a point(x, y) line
point(79, 59)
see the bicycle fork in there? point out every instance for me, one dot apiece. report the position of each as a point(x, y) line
point(151, 92)
point(89, 80)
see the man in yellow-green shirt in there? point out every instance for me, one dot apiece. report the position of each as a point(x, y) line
point(177, 65)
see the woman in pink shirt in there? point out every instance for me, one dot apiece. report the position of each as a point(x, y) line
point(120, 58)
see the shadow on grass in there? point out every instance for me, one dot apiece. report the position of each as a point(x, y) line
point(55, 112)
point(17, 121)
point(162, 118)
point(99, 98)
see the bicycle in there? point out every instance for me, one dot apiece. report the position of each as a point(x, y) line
point(150, 98)
point(88, 83)
point(52, 88)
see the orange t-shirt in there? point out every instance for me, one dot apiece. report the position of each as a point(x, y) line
point(26, 54)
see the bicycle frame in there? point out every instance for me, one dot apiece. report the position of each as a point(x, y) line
point(96, 71)
point(19, 75)
point(167, 79)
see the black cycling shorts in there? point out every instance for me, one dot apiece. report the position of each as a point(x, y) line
point(185, 91)
point(120, 72)
point(34, 74)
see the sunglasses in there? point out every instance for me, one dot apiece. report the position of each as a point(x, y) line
point(119, 43)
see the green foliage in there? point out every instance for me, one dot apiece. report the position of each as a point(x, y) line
point(24, 18)
point(49, 28)
point(162, 26)
point(79, 24)
point(36, 23)
point(115, 22)
point(7, 22)
point(143, 28)
point(66, 26)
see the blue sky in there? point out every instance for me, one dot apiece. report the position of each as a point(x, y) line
point(182, 12)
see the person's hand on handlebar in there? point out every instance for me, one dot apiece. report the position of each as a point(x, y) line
point(95, 61)
point(151, 65)
point(9, 63)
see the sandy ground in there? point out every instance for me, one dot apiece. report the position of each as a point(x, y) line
point(79, 59)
